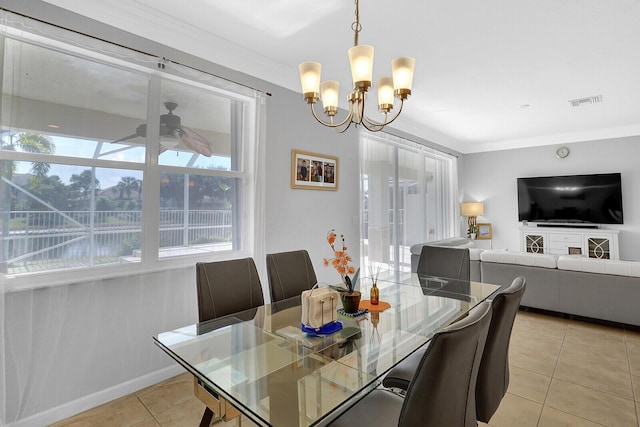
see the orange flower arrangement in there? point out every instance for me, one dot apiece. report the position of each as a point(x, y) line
point(341, 261)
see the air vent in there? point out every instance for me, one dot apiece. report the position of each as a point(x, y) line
point(590, 100)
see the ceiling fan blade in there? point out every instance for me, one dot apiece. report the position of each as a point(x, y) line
point(125, 138)
point(194, 141)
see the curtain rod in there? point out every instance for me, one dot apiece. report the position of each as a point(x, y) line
point(161, 60)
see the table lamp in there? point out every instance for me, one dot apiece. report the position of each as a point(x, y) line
point(472, 210)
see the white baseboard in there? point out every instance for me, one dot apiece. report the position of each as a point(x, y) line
point(96, 399)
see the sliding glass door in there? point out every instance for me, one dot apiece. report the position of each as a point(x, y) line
point(408, 193)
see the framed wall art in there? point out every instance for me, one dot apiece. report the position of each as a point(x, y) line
point(484, 231)
point(313, 171)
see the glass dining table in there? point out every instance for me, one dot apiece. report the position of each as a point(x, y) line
point(259, 362)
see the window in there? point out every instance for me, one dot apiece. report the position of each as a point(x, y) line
point(108, 162)
point(408, 197)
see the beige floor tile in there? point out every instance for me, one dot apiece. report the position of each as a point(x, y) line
point(186, 413)
point(167, 394)
point(599, 371)
point(126, 411)
point(546, 325)
point(148, 423)
point(632, 335)
point(635, 381)
point(528, 384)
point(600, 338)
point(633, 350)
point(534, 352)
point(594, 327)
point(516, 411)
point(591, 404)
point(553, 418)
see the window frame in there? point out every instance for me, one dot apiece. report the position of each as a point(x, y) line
point(116, 56)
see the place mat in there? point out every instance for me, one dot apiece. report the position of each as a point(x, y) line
point(381, 306)
point(360, 312)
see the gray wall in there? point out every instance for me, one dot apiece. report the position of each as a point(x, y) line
point(491, 178)
point(70, 347)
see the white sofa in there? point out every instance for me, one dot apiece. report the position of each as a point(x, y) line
point(607, 290)
point(599, 289)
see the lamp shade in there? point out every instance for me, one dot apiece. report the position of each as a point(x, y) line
point(385, 91)
point(470, 209)
point(329, 91)
point(361, 61)
point(402, 69)
point(310, 77)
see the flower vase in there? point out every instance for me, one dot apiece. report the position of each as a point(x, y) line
point(350, 301)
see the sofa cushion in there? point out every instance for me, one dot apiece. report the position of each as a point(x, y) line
point(522, 258)
point(458, 242)
point(602, 266)
point(474, 254)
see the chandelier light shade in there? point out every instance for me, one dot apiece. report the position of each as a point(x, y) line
point(361, 62)
point(310, 79)
point(402, 69)
point(330, 90)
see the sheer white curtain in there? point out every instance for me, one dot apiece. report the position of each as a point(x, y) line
point(408, 197)
point(72, 344)
point(259, 174)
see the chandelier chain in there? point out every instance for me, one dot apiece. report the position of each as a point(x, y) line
point(355, 26)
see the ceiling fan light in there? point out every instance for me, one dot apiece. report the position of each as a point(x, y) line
point(361, 61)
point(310, 80)
point(169, 141)
point(402, 69)
point(385, 94)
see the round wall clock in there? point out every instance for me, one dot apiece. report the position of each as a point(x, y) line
point(562, 152)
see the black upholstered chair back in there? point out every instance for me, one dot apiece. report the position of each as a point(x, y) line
point(493, 376)
point(443, 261)
point(442, 392)
point(226, 287)
point(289, 274)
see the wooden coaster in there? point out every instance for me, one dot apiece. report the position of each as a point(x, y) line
point(381, 306)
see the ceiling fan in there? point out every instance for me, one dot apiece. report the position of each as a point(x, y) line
point(172, 133)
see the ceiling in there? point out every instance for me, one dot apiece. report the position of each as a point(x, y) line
point(489, 75)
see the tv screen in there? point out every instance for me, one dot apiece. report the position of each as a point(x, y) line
point(593, 199)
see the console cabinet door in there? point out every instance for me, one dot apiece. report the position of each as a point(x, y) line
point(535, 242)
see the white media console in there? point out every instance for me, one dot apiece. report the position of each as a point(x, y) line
point(588, 242)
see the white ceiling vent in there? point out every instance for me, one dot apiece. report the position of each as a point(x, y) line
point(589, 100)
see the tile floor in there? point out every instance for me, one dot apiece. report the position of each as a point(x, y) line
point(563, 373)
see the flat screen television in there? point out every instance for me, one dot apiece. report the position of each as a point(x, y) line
point(590, 199)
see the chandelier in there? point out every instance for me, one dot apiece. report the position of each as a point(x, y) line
point(361, 62)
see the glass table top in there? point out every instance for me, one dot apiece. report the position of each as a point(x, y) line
point(263, 364)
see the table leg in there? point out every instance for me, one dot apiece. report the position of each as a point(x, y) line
point(216, 407)
point(207, 417)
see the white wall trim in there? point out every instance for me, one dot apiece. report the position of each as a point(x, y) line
point(96, 399)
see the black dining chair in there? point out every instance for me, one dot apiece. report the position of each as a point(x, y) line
point(442, 391)
point(444, 261)
point(289, 274)
point(225, 287)
point(493, 376)
point(493, 373)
